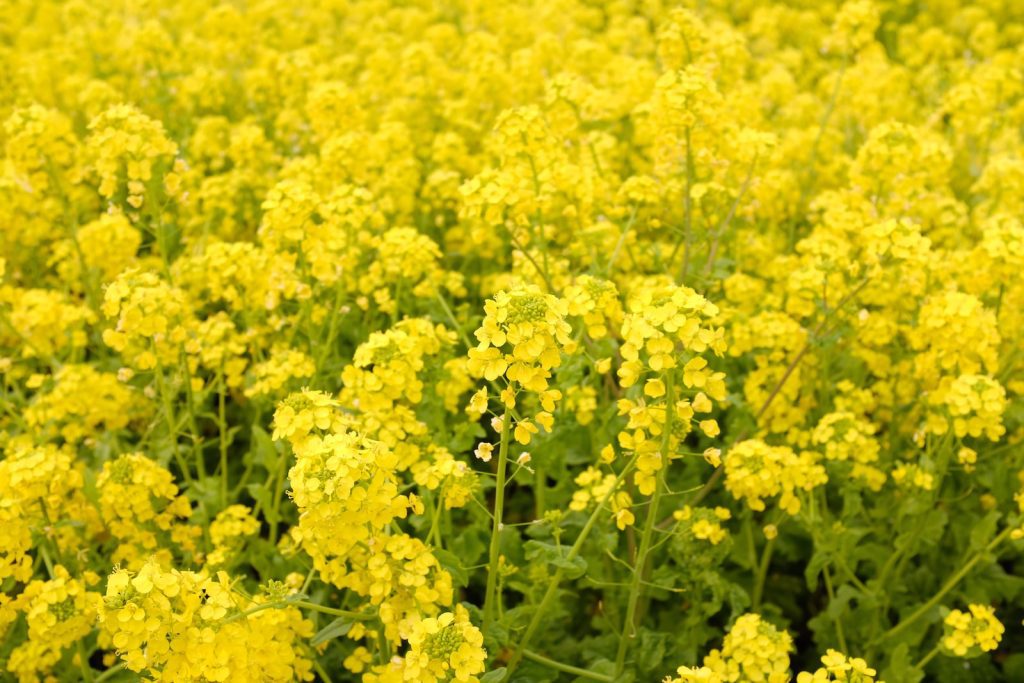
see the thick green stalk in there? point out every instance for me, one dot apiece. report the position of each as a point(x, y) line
point(636, 587)
point(222, 432)
point(172, 422)
point(559, 574)
point(490, 596)
point(762, 574)
point(949, 585)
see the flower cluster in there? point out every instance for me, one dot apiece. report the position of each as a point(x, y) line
point(755, 471)
point(522, 338)
point(839, 667)
point(753, 650)
point(144, 510)
point(59, 613)
point(406, 341)
point(973, 632)
point(174, 625)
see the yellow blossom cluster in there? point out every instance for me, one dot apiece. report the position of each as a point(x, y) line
point(967, 633)
point(186, 626)
point(755, 471)
point(59, 612)
point(839, 667)
point(753, 650)
point(510, 340)
point(144, 510)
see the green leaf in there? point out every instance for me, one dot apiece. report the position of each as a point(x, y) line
point(494, 675)
point(651, 652)
point(263, 449)
point(985, 530)
point(471, 544)
point(901, 669)
point(335, 629)
point(837, 607)
point(262, 495)
point(819, 560)
point(453, 566)
point(1013, 667)
point(465, 436)
point(556, 556)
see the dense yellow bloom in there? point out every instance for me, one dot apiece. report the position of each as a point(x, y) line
point(402, 577)
point(533, 325)
point(727, 268)
point(967, 633)
point(704, 524)
point(753, 650)
point(184, 626)
point(38, 484)
point(441, 470)
point(754, 471)
point(151, 319)
point(283, 365)
point(59, 613)
point(594, 488)
point(975, 405)
point(445, 648)
point(839, 667)
point(42, 322)
point(127, 149)
point(98, 252)
point(597, 302)
point(228, 532)
point(346, 487)
point(83, 403)
point(141, 505)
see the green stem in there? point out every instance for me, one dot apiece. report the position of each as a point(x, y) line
point(275, 502)
point(499, 503)
point(949, 585)
point(567, 668)
point(636, 588)
point(540, 484)
point(193, 425)
point(83, 662)
point(172, 422)
point(622, 241)
point(222, 429)
point(762, 574)
point(927, 658)
point(451, 318)
point(807, 186)
point(320, 671)
point(559, 574)
point(688, 209)
point(109, 673)
point(303, 604)
point(840, 636)
point(434, 535)
point(383, 646)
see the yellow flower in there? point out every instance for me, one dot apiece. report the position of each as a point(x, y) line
point(444, 648)
point(968, 633)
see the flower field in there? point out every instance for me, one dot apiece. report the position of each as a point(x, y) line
point(512, 341)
